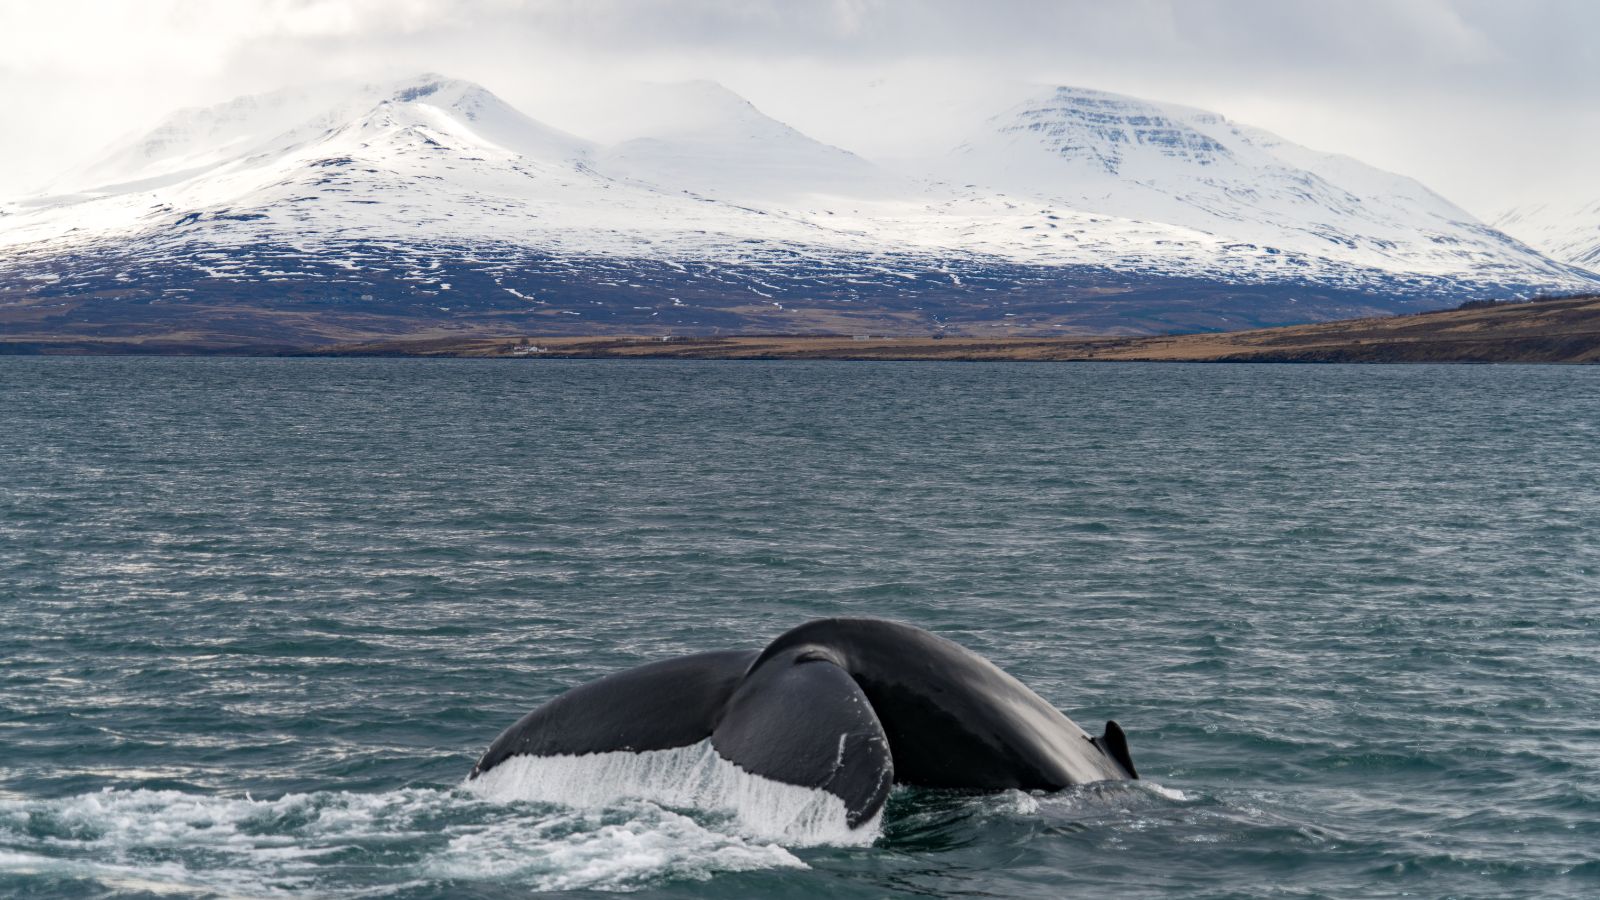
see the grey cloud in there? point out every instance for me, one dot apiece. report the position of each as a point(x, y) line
point(1447, 90)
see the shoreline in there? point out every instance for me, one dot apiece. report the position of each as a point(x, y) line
point(1562, 330)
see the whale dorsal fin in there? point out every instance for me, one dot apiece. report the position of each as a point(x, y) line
point(1115, 745)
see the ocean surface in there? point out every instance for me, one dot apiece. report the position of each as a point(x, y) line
point(258, 617)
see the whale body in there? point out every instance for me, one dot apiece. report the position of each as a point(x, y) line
point(846, 706)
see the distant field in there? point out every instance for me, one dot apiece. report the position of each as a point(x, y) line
point(1565, 330)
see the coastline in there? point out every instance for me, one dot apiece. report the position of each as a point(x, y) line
point(1563, 330)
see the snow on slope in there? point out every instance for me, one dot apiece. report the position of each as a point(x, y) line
point(433, 158)
point(1568, 231)
point(383, 143)
point(1070, 178)
point(194, 140)
point(701, 137)
point(1114, 155)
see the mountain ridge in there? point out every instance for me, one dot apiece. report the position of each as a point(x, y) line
point(433, 203)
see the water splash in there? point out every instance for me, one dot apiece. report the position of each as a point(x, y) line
point(621, 847)
point(330, 843)
point(693, 777)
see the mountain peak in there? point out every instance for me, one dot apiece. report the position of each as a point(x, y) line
point(1107, 131)
point(704, 137)
point(693, 110)
point(431, 87)
point(1116, 155)
point(422, 84)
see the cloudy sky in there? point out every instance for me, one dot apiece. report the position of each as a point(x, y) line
point(1490, 102)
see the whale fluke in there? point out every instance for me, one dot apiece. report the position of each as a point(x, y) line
point(657, 706)
point(803, 721)
point(847, 707)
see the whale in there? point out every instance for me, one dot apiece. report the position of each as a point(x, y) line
point(846, 706)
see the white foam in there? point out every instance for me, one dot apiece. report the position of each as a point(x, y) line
point(350, 844)
point(620, 848)
point(1021, 803)
point(692, 777)
point(1169, 793)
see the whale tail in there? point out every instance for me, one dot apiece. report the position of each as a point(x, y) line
point(1115, 745)
point(802, 720)
point(847, 707)
point(798, 720)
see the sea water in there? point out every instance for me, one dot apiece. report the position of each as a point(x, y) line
point(258, 617)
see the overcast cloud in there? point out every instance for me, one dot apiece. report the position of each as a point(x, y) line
point(1491, 103)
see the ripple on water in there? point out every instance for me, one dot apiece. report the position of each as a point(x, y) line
point(1346, 614)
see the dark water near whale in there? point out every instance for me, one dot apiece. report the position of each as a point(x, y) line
point(257, 617)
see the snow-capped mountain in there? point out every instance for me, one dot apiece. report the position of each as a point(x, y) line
point(1239, 197)
point(381, 147)
point(430, 203)
point(1567, 231)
